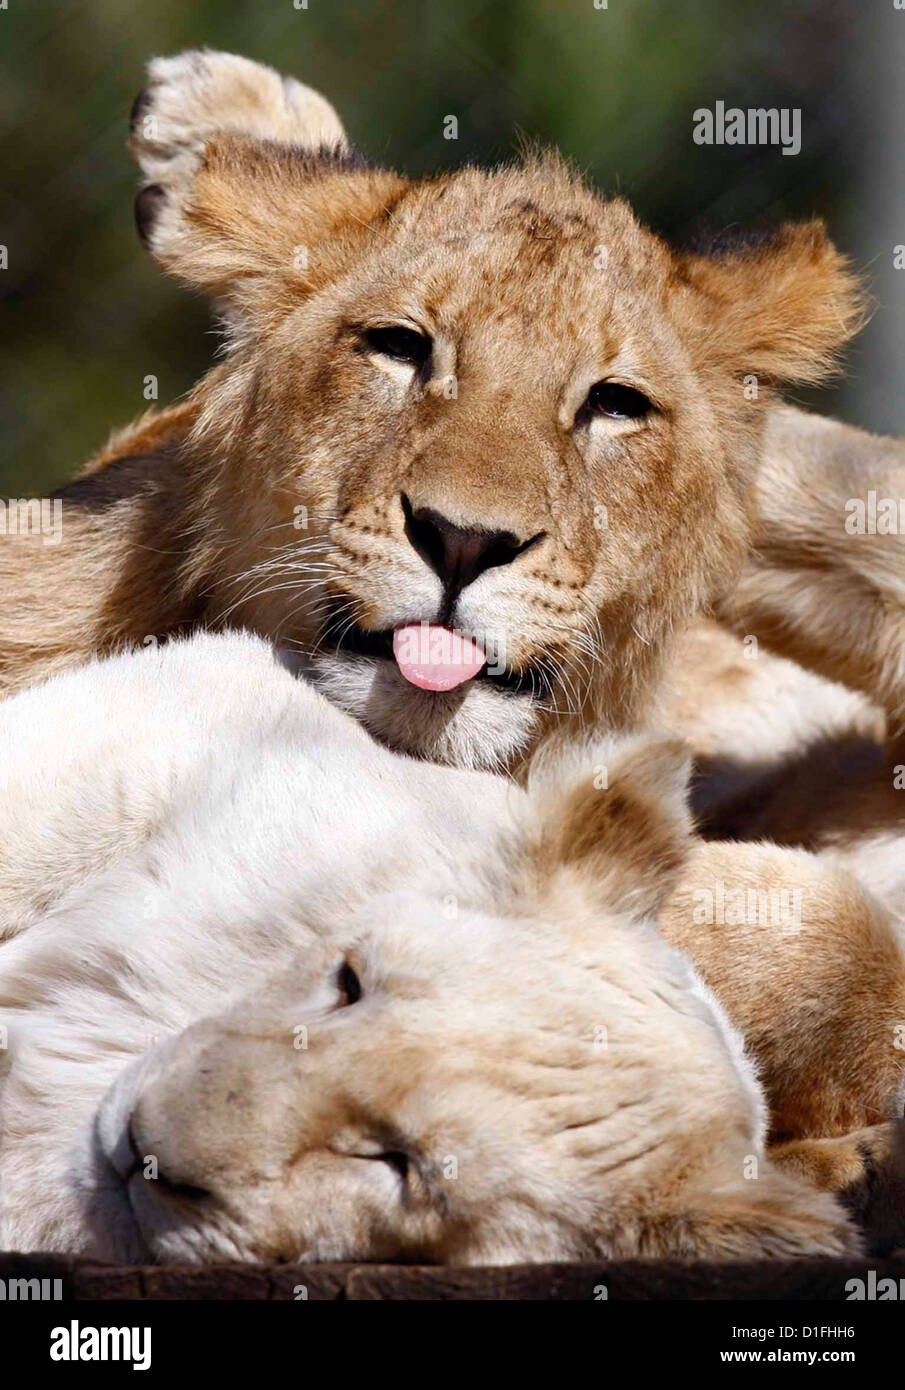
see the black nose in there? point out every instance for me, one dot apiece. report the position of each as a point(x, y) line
point(458, 554)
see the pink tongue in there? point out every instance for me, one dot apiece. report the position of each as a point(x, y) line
point(435, 658)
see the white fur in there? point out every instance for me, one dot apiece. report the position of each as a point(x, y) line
point(194, 841)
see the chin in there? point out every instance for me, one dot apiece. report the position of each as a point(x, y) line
point(78, 1207)
point(474, 726)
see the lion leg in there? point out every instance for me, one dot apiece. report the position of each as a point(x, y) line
point(825, 583)
point(843, 1163)
point(864, 1169)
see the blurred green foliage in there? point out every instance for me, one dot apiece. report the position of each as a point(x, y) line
point(85, 315)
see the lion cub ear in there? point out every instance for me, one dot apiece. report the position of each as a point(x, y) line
point(615, 815)
point(249, 183)
point(779, 308)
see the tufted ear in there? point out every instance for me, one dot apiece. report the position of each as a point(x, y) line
point(250, 191)
point(615, 814)
point(779, 308)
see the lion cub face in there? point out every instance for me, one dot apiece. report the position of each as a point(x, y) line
point(389, 1102)
point(480, 441)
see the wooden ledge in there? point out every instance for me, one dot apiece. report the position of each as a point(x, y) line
point(83, 1280)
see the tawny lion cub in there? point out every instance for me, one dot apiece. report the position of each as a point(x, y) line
point(488, 404)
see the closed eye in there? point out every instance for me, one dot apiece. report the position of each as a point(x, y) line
point(399, 1162)
point(395, 1159)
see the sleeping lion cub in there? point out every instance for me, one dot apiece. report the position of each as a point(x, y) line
point(479, 443)
point(273, 992)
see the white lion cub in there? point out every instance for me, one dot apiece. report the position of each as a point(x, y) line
point(272, 992)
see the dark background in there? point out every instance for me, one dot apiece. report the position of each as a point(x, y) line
point(86, 317)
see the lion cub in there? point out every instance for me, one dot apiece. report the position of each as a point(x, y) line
point(478, 443)
point(243, 1025)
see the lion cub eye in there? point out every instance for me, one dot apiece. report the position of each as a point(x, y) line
point(348, 985)
point(618, 402)
point(402, 344)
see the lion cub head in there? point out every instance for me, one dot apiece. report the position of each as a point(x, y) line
point(536, 1076)
point(479, 441)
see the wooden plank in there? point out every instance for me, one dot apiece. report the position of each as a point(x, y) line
point(639, 1280)
point(319, 1282)
point(95, 1282)
point(206, 1282)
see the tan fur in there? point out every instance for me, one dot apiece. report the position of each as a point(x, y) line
point(638, 523)
point(821, 1010)
point(814, 591)
point(837, 1164)
point(809, 965)
point(818, 1001)
point(731, 697)
point(786, 754)
point(190, 517)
